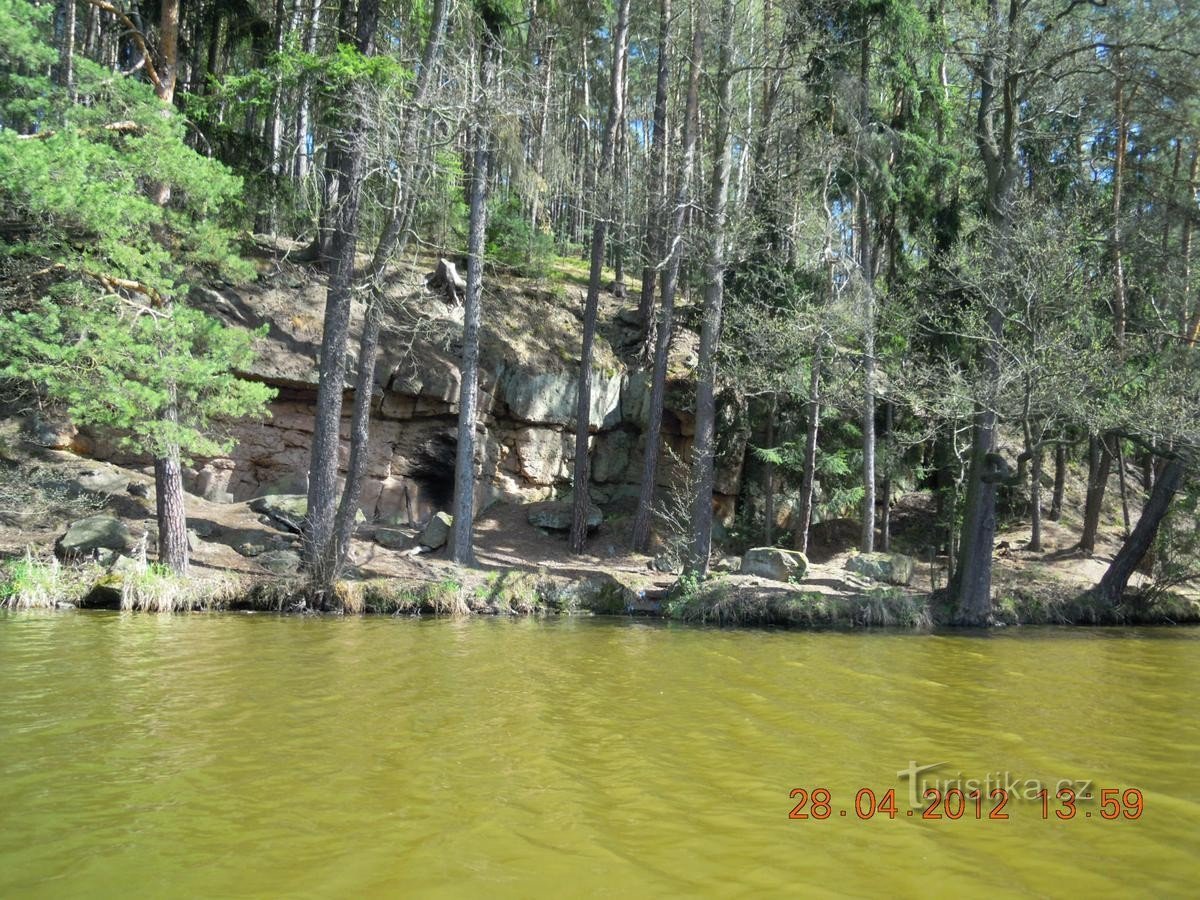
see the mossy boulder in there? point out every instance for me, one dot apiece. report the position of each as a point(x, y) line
point(437, 531)
point(280, 562)
point(284, 510)
point(105, 536)
point(556, 515)
point(891, 568)
point(774, 563)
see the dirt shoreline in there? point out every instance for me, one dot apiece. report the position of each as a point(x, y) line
point(524, 570)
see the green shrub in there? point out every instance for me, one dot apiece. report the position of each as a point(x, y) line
point(512, 242)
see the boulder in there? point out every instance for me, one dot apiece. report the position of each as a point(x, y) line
point(94, 535)
point(280, 562)
point(393, 538)
point(893, 568)
point(666, 562)
point(284, 510)
point(555, 515)
point(775, 564)
point(436, 531)
point(54, 435)
point(101, 481)
point(287, 511)
point(728, 564)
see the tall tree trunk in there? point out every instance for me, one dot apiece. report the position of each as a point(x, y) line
point(1118, 183)
point(66, 50)
point(392, 242)
point(1129, 557)
point(714, 295)
point(811, 434)
point(170, 512)
point(318, 533)
point(885, 487)
point(999, 85)
point(1124, 488)
point(603, 208)
point(1034, 453)
point(1185, 252)
point(1098, 471)
point(304, 154)
point(1060, 479)
point(769, 477)
point(269, 214)
point(461, 545)
point(656, 214)
point(867, 267)
point(670, 280)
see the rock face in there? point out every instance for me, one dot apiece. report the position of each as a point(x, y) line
point(775, 564)
point(437, 532)
point(95, 533)
point(556, 516)
point(529, 347)
point(893, 568)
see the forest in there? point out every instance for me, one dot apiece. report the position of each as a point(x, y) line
point(923, 246)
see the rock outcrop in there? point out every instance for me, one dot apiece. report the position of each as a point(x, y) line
point(892, 568)
point(775, 564)
point(527, 399)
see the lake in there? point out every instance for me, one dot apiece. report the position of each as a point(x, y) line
point(250, 755)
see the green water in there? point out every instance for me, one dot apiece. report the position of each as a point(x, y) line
point(246, 756)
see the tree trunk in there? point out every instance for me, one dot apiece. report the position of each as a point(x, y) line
point(318, 537)
point(867, 268)
point(392, 241)
point(1124, 488)
point(1060, 479)
point(1098, 470)
point(769, 478)
point(656, 214)
point(304, 153)
point(714, 295)
point(1112, 585)
point(973, 574)
point(1034, 453)
point(999, 80)
point(1035, 501)
point(275, 129)
point(461, 545)
point(66, 53)
point(885, 487)
point(168, 501)
point(1118, 182)
point(670, 280)
point(812, 430)
point(603, 208)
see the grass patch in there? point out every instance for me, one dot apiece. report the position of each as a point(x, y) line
point(36, 583)
point(155, 588)
point(399, 597)
point(1032, 605)
point(510, 593)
